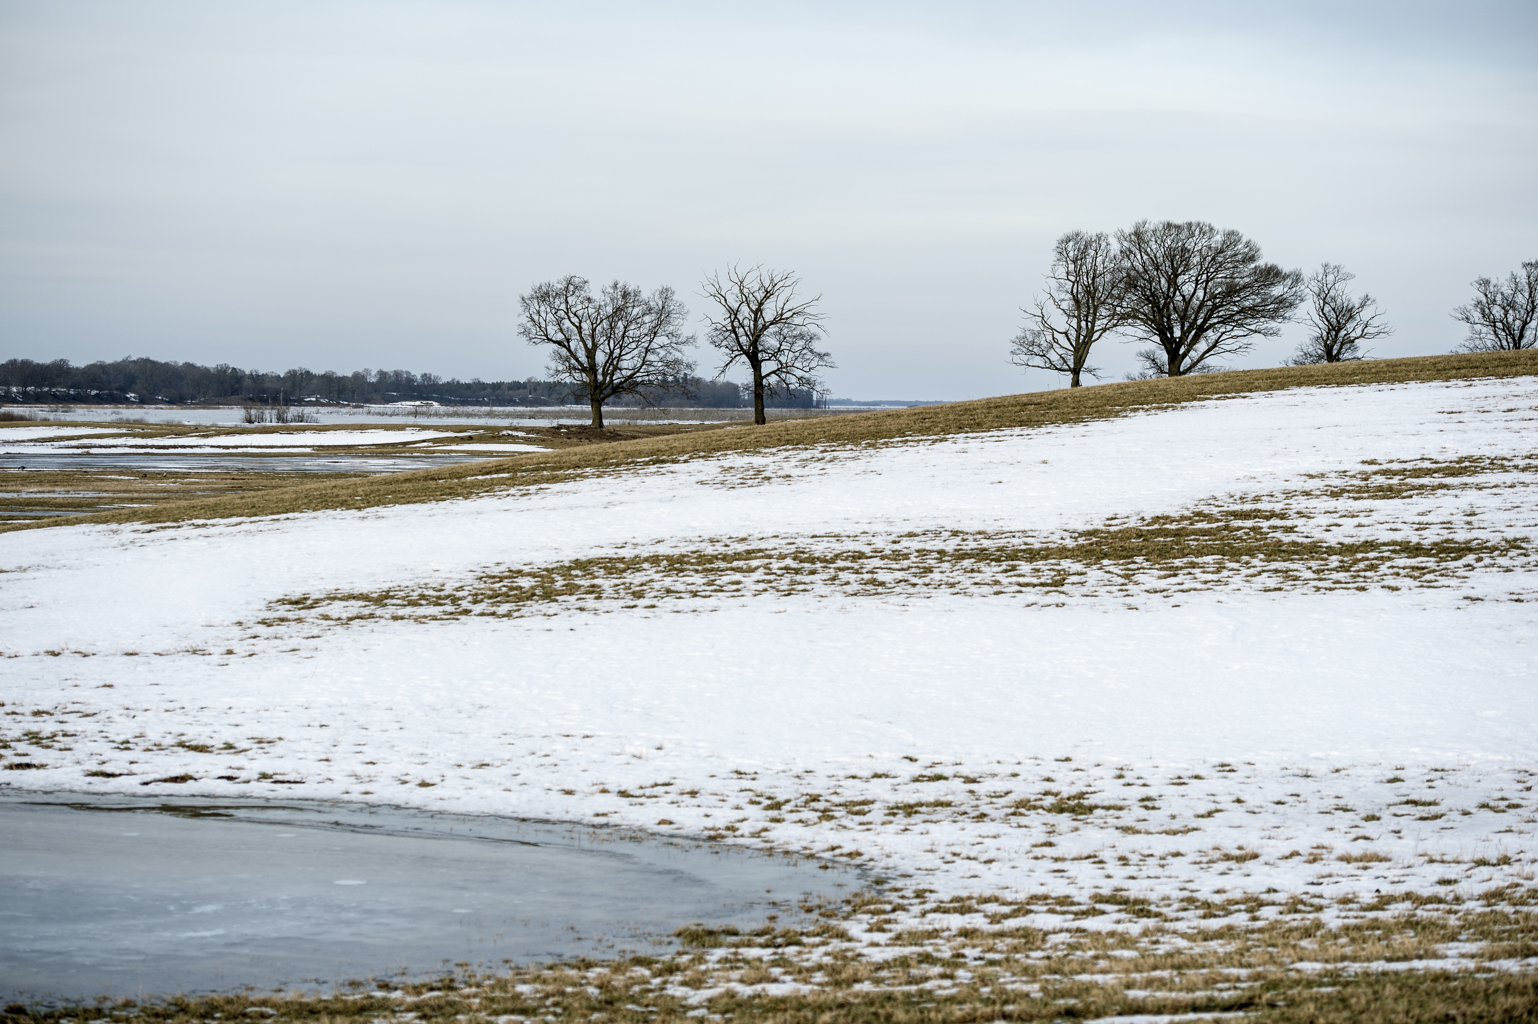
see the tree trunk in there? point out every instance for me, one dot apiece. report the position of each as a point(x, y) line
point(758, 395)
point(1073, 381)
point(597, 404)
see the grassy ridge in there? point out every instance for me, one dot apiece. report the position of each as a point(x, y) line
point(1039, 408)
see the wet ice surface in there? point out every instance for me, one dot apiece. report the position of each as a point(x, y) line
point(127, 897)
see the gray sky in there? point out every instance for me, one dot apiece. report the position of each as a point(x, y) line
point(337, 185)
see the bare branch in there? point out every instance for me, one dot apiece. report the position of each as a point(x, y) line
point(1081, 306)
point(1198, 293)
point(758, 320)
point(1504, 314)
point(1337, 322)
point(619, 342)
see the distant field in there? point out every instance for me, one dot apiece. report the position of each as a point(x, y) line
point(579, 451)
point(435, 414)
point(60, 469)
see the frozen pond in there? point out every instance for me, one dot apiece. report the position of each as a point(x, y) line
point(138, 897)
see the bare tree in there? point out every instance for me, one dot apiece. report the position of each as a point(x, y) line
point(619, 342)
point(759, 321)
point(1337, 322)
point(1504, 314)
point(1199, 293)
point(1082, 305)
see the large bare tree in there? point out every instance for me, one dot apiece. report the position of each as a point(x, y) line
point(618, 342)
point(1198, 293)
point(1338, 322)
point(1504, 314)
point(759, 320)
point(1081, 306)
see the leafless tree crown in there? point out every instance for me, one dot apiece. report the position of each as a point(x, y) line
point(1337, 322)
point(617, 342)
point(1082, 305)
point(757, 319)
point(1198, 294)
point(1504, 314)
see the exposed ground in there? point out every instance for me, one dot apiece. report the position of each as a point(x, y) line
point(1212, 695)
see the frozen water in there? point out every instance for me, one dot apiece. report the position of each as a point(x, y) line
point(202, 895)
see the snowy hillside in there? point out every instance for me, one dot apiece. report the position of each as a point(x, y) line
point(1281, 641)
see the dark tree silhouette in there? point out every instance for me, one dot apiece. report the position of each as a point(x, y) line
point(1338, 323)
point(1198, 293)
point(1504, 314)
point(758, 320)
point(1082, 305)
point(619, 342)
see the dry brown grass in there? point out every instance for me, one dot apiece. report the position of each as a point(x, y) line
point(1294, 970)
point(1162, 555)
point(72, 493)
point(1042, 408)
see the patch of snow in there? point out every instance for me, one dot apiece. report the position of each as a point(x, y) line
point(9, 434)
point(275, 440)
point(493, 448)
point(1169, 1018)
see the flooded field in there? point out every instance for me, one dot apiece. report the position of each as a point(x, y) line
point(54, 469)
point(531, 416)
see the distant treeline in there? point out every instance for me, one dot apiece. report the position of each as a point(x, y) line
point(152, 381)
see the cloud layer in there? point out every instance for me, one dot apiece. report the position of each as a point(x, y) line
point(349, 184)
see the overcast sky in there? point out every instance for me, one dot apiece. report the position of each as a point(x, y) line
point(339, 185)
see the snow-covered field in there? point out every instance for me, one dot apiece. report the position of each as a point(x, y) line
point(24, 440)
point(1330, 728)
point(11, 435)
